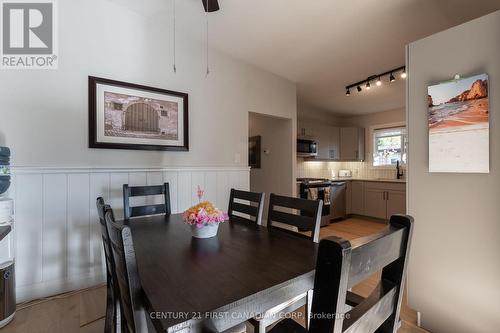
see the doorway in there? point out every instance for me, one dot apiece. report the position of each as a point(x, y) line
point(275, 172)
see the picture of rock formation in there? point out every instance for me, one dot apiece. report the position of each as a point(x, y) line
point(459, 125)
point(478, 90)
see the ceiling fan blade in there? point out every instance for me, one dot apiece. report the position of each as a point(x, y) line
point(210, 5)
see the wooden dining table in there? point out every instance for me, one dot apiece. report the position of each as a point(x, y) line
point(217, 283)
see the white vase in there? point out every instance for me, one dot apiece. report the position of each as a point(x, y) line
point(206, 232)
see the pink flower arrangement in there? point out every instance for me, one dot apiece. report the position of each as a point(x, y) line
point(204, 213)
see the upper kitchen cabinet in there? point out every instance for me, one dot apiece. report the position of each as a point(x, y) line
point(305, 130)
point(352, 144)
point(334, 143)
point(328, 140)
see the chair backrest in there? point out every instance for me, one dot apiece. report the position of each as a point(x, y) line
point(111, 276)
point(142, 191)
point(253, 209)
point(308, 219)
point(132, 299)
point(342, 264)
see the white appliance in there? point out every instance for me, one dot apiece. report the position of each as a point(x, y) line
point(345, 173)
point(7, 272)
point(7, 276)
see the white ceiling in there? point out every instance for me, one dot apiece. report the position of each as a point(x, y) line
point(323, 45)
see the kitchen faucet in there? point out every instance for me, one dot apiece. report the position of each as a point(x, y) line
point(399, 171)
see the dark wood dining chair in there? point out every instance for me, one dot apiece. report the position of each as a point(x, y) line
point(143, 191)
point(135, 307)
point(341, 264)
point(112, 321)
point(308, 217)
point(251, 212)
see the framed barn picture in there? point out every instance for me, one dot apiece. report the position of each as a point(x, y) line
point(130, 116)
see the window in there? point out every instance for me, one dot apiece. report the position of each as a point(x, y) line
point(389, 146)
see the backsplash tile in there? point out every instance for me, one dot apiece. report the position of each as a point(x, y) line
point(323, 169)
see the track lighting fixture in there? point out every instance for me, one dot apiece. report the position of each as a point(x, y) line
point(378, 79)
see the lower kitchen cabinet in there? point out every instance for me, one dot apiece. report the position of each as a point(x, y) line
point(355, 197)
point(375, 199)
point(382, 200)
point(396, 202)
point(375, 204)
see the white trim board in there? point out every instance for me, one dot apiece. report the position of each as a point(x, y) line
point(56, 232)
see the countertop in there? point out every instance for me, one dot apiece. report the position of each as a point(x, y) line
point(380, 180)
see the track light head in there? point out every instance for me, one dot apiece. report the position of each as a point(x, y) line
point(368, 85)
point(403, 74)
point(379, 82)
point(348, 92)
point(210, 5)
point(359, 89)
point(392, 78)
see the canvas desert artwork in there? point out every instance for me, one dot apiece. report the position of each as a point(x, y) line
point(139, 117)
point(459, 126)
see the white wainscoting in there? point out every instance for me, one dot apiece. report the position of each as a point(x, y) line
point(56, 229)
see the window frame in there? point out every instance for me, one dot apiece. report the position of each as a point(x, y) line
point(373, 130)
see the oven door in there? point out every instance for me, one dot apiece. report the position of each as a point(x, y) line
point(307, 148)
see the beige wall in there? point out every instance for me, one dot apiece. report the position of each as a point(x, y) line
point(378, 118)
point(44, 113)
point(311, 113)
point(454, 271)
point(276, 172)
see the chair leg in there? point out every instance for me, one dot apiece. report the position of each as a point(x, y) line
point(118, 317)
point(109, 323)
point(260, 328)
point(308, 308)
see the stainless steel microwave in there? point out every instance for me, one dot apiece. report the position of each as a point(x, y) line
point(307, 148)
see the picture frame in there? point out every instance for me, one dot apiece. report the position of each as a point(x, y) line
point(254, 152)
point(459, 119)
point(125, 115)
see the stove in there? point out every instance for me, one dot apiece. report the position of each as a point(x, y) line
point(317, 189)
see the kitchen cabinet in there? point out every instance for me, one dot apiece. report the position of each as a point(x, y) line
point(382, 200)
point(357, 189)
point(322, 138)
point(352, 143)
point(375, 198)
point(396, 202)
point(334, 143)
point(305, 130)
point(375, 204)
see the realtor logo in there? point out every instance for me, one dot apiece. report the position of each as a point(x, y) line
point(28, 34)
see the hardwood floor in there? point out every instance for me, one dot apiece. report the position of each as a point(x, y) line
point(83, 311)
